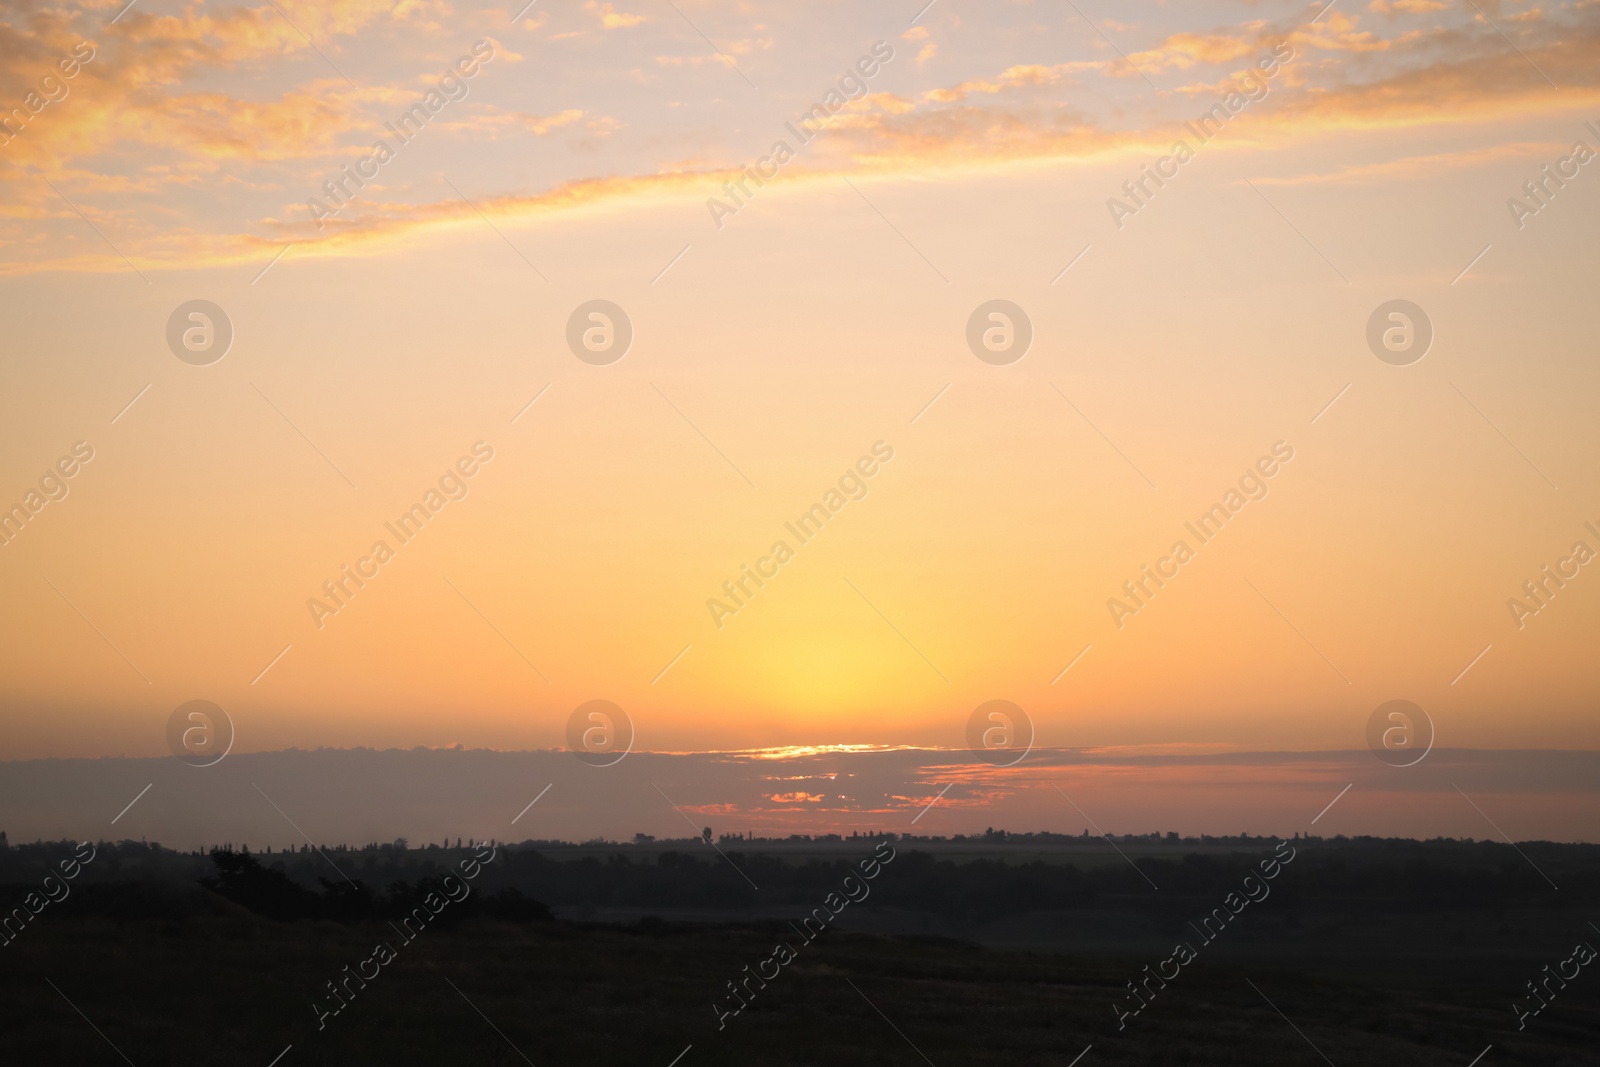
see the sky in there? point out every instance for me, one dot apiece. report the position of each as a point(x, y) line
point(398, 217)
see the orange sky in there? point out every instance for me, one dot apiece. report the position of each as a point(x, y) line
point(769, 355)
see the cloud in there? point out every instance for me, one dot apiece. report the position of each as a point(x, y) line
point(541, 125)
point(1012, 78)
point(1184, 50)
point(362, 792)
point(611, 18)
point(131, 96)
point(489, 122)
point(1410, 7)
point(137, 126)
point(1490, 85)
point(745, 45)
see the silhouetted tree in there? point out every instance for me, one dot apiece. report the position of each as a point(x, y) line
point(241, 878)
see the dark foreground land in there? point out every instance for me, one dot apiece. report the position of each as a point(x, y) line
point(1357, 952)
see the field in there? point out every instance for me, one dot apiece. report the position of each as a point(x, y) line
point(1363, 952)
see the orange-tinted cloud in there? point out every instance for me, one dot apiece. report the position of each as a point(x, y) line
point(611, 18)
point(179, 138)
point(1012, 78)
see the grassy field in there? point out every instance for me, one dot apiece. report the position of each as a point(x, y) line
point(1362, 961)
point(237, 989)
